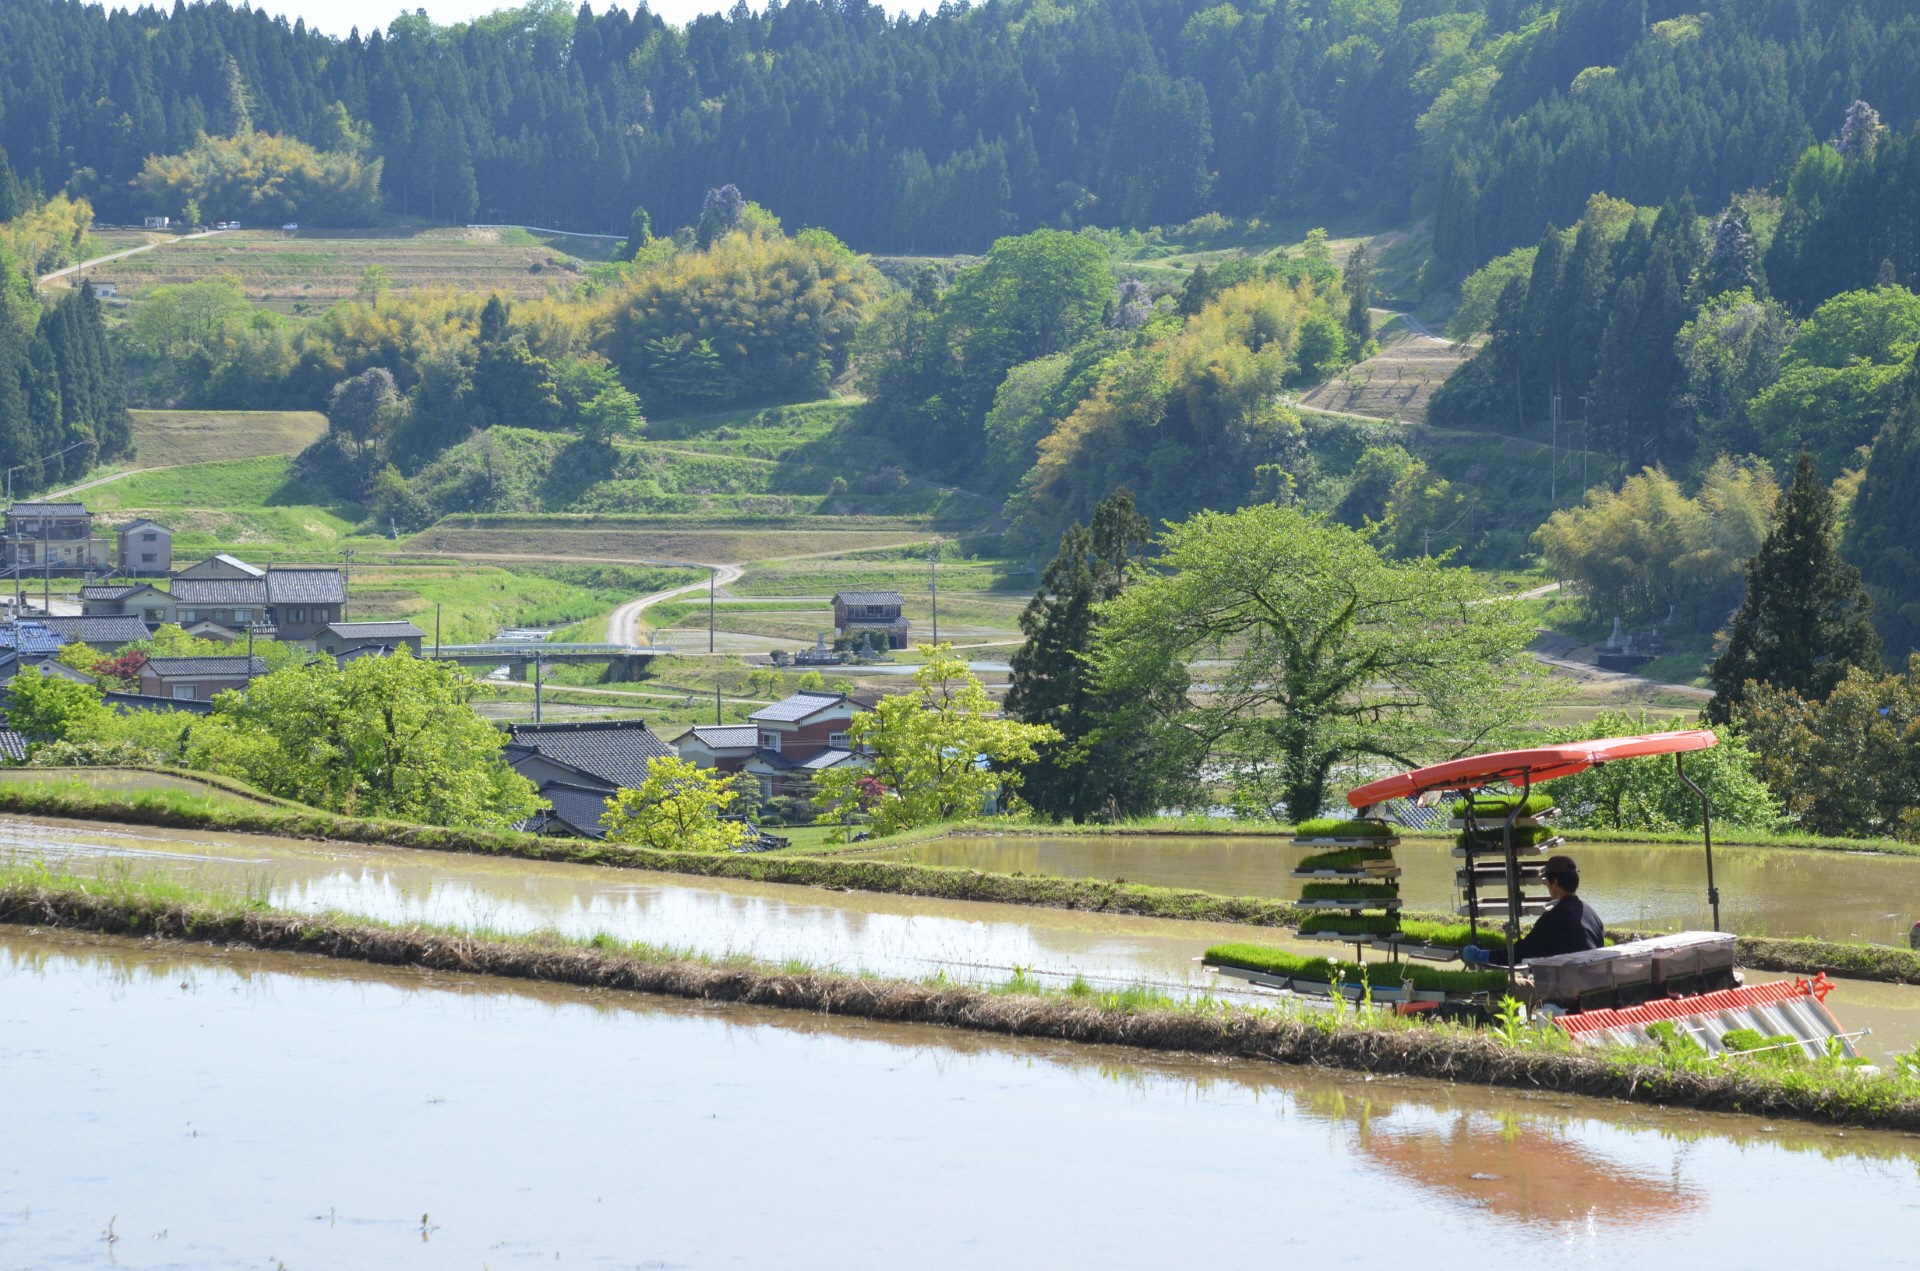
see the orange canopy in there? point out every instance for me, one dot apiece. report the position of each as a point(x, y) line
point(1541, 763)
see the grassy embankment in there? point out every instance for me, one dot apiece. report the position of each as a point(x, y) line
point(1361, 1038)
point(77, 799)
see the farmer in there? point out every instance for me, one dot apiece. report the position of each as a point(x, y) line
point(1570, 926)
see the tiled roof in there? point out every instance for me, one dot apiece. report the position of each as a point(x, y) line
point(305, 587)
point(801, 705)
point(48, 509)
point(825, 759)
point(178, 668)
point(231, 562)
point(141, 522)
point(727, 737)
point(31, 638)
point(109, 591)
point(579, 806)
point(13, 745)
point(614, 751)
point(870, 598)
point(377, 630)
point(113, 630)
point(188, 592)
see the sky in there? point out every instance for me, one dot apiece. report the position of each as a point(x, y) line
point(337, 17)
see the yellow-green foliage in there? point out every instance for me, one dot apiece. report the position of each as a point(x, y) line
point(778, 312)
point(50, 235)
point(263, 177)
point(680, 807)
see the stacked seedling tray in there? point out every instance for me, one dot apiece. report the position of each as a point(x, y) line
point(1487, 880)
point(1350, 881)
point(1382, 982)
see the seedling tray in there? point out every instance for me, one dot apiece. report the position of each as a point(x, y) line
point(1383, 842)
point(1486, 825)
point(1314, 988)
point(1351, 906)
point(1423, 952)
point(1499, 849)
point(1339, 937)
point(1386, 870)
point(1498, 908)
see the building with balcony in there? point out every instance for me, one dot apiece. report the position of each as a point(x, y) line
point(856, 613)
point(55, 538)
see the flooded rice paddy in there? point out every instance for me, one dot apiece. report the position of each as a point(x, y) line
point(1763, 891)
point(196, 1109)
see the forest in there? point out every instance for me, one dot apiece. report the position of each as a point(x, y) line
point(947, 130)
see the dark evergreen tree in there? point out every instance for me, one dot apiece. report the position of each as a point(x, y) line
point(1733, 255)
point(1358, 280)
point(493, 320)
point(1806, 620)
point(1083, 775)
point(1883, 538)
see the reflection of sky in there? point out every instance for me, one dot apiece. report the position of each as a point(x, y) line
point(614, 1129)
point(900, 936)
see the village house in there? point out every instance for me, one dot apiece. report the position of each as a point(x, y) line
point(117, 600)
point(579, 767)
point(52, 537)
point(146, 548)
point(346, 640)
point(782, 747)
point(199, 678)
point(223, 595)
point(105, 634)
point(856, 613)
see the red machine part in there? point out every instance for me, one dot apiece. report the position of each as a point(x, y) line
point(1795, 1008)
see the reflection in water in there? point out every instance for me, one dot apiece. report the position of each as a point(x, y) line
point(1769, 891)
point(307, 1111)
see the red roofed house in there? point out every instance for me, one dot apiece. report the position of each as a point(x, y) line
point(782, 746)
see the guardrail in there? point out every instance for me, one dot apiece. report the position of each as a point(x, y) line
point(533, 648)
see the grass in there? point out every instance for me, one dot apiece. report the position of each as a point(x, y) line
point(1347, 858)
point(1487, 806)
point(476, 601)
point(1334, 827)
point(166, 438)
point(1351, 891)
point(1363, 1038)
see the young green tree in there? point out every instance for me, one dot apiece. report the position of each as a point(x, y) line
point(1884, 537)
point(52, 707)
point(1805, 622)
point(1849, 764)
point(1319, 655)
point(680, 807)
point(384, 737)
point(1090, 770)
point(1647, 794)
point(937, 752)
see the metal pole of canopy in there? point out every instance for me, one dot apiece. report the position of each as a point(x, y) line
point(1706, 827)
point(1513, 874)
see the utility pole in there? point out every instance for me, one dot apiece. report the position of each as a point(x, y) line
point(933, 586)
point(436, 627)
point(1586, 445)
point(1553, 457)
point(716, 704)
point(713, 574)
point(346, 582)
point(536, 688)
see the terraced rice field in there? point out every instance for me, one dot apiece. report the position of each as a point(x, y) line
point(167, 438)
point(311, 270)
point(1394, 384)
point(695, 543)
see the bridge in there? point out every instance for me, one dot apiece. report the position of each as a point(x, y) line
point(624, 661)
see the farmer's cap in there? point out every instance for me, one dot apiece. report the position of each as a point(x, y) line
point(1562, 870)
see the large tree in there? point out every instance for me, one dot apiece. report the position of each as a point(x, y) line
point(1884, 538)
point(1093, 769)
point(1320, 657)
point(1804, 623)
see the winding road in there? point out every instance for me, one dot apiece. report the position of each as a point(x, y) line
point(623, 625)
point(122, 255)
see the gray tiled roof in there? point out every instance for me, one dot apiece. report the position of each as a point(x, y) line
point(188, 592)
point(727, 737)
point(614, 751)
point(305, 587)
point(109, 591)
point(825, 759)
point(29, 637)
point(401, 630)
point(870, 598)
point(48, 509)
point(797, 707)
point(13, 745)
point(173, 668)
point(141, 522)
point(579, 806)
point(107, 629)
point(124, 702)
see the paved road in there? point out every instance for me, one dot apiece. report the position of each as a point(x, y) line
point(623, 627)
point(131, 251)
point(88, 485)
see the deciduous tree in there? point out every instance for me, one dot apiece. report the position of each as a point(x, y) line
point(679, 807)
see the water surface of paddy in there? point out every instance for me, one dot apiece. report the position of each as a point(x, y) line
point(216, 1110)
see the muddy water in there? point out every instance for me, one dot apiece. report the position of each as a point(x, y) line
point(248, 1111)
point(851, 931)
point(1771, 891)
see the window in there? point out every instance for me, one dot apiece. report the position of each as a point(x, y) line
point(770, 741)
point(183, 693)
point(148, 558)
point(296, 615)
point(149, 537)
point(189, 616)
point(837, 741)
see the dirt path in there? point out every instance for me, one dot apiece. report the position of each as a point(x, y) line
point(122, 255)
point(1552, 648)
point(88, 485)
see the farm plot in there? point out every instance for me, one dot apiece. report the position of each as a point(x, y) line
point(166, 438)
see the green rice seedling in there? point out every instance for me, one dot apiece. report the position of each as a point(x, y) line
point(1373, 892)
point(1327, 827)
point(1499, 805)
point(1346, 858)
point(1438, 979)
point(1350, 924)
point(1524, 836)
